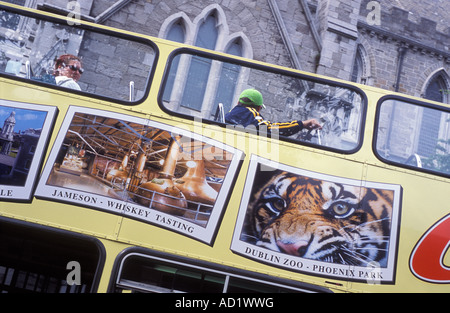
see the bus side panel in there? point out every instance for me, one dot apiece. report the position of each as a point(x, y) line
point(423, 203)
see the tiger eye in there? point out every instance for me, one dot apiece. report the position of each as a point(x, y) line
point(340, 208)
point(279, 204)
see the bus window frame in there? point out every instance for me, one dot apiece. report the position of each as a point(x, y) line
point(67, 234)
point(441, 108)
point(95, 29)
point(207, 267)
point(271, 69)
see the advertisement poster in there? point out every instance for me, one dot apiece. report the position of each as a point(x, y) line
point(25, 129)
point(319, 224)
point(140, 169)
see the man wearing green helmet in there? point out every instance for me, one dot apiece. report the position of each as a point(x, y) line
point(246, 113)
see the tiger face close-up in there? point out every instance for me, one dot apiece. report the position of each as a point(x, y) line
point(321, 220)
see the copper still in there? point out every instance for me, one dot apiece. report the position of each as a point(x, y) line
point(194, 185)
point(139, 174)
point(168, 199)
point(119, 175)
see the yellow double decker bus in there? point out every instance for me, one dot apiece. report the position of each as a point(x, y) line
point(120, 172)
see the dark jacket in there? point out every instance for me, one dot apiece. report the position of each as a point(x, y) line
point(245, 116)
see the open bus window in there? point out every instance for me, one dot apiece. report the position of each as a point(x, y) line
point(142, 273)
point(414, 136)
point(35, 259)
point(101, 64)
point(207, 87)
point(145, 275)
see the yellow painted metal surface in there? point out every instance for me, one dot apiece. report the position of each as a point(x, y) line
point(423, 198)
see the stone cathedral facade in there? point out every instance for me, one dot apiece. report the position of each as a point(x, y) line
point(401, 45)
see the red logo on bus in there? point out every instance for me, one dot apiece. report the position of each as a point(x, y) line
point(427, 258)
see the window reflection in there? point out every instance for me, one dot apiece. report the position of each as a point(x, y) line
point(143, 274)
point(99, 63)
point(286, 98)
point(414, 135)
point(177, 34)
point(228, 81)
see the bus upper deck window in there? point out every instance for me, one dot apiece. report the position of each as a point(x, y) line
point(414, 135)
point(208, 87)
point(75, 58)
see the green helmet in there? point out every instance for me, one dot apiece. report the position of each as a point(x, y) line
point(251, 96)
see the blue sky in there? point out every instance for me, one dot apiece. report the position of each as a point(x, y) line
point(25, 119)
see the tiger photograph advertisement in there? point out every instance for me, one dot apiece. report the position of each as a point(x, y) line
point(319, 224)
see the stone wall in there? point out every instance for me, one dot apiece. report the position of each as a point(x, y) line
point(421, 29)
point(337, 27)
point(426, 46)
point(253, 18)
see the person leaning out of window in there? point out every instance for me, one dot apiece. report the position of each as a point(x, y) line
point(247, 112)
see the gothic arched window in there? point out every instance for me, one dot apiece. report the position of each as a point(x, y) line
point(361, 68)
point(357, 69)
point(199, 69)
point(176, 33)
point(197, 84)
point(229, 77)
point(432, 124)
point(436, 89)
